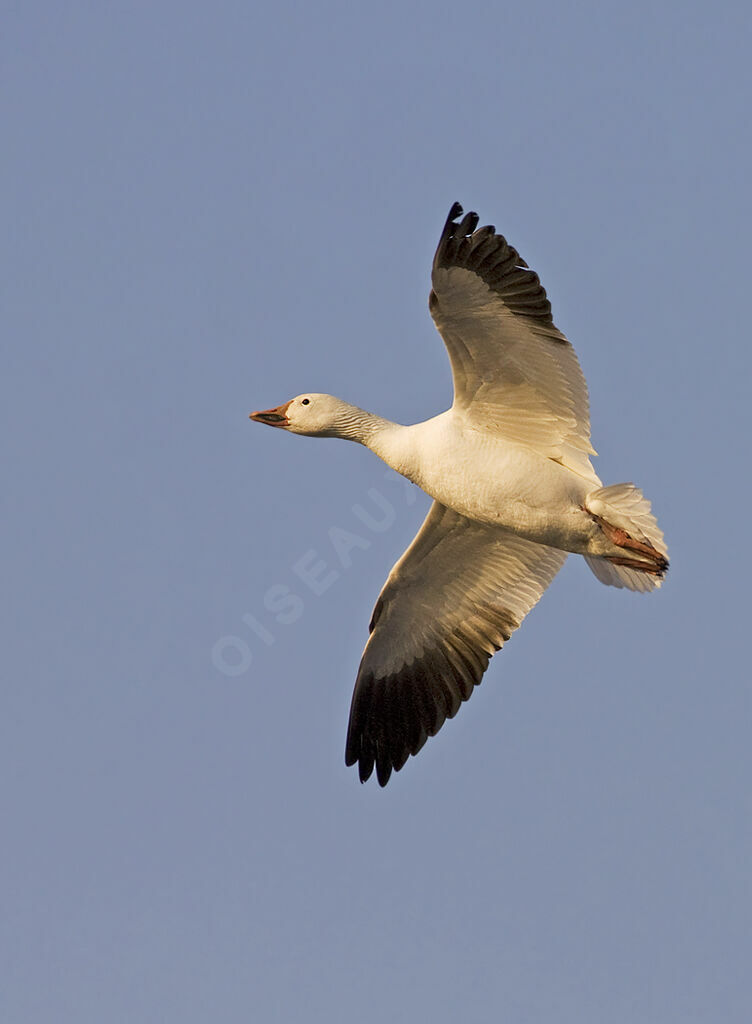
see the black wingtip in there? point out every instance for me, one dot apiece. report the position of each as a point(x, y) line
point(468, 224)
point(449, 229)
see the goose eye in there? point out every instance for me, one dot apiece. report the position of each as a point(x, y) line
point(306, 401)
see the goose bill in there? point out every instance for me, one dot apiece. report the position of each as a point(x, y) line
point(276, 417)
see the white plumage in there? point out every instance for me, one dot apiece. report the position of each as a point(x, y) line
point(508, 467)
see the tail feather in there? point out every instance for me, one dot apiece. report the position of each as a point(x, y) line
point(623, 507)
point(622, 576)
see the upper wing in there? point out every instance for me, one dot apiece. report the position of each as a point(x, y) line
point(514, 372)
point(455, 596)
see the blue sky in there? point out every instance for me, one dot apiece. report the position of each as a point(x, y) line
point(209, 209)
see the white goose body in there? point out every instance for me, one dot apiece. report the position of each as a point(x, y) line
point(508, 467)
point(493, 481)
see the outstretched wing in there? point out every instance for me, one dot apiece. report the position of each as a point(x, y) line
point(515, 373)
point(458, 592)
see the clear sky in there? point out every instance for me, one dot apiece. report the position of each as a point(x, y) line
point(208, 209)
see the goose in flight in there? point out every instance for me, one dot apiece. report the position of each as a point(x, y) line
point(514, 491)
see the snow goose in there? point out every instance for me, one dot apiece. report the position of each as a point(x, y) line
point(508, 467)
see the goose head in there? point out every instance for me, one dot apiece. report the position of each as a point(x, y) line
point(312, 414)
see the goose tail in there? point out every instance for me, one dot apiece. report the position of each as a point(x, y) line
point(625, 517)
